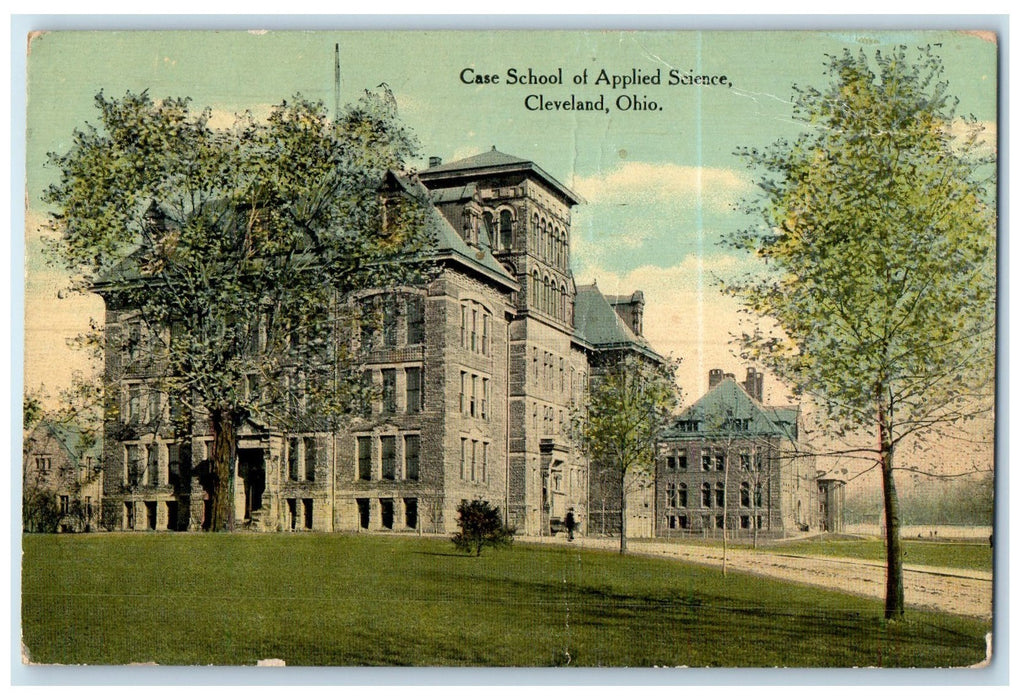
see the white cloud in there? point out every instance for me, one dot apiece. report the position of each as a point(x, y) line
point(639, 183)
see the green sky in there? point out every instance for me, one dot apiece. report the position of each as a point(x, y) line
point(660, 185)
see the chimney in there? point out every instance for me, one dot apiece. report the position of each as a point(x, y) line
point(754, 385)
point(715, 376)
point(435, 161)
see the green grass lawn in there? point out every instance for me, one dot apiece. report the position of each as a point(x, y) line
point(957, 555)
point(316, 599)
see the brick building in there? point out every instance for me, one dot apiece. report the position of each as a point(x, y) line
point(730, 460)
point(476, 373)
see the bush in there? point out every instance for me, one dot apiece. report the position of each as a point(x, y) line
point(480, 526)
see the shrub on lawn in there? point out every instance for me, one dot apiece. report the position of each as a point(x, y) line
point(480, 526)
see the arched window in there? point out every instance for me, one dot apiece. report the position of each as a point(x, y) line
point(533, 242)
point(505, 230)
point(541, 239)
point(563, 303)
point(682, 494)
point(757, 495)
point(534, 288)
point(745, 494)
point(706, 495)
point(545, 295)
point(720, 494)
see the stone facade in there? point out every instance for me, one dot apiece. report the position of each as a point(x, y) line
point(58, 463)
point(476, 376)
point(729, 461)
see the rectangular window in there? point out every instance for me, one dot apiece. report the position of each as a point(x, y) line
point(293, 459)
point(463, 393)
point(681, 460)
point(463, 458)
point(412, 457)
point(365, 458)
point(292, 513)
point(311, 458)
point(129, 515)
point(309, 520)
point(670, 463)
point(414, 402)
point(42, 464)
point(152, 465)
point(173, 463)
point(415, 320)
point(474, 330)
point(134, 341)
point(411, 513)
point(134, 465)
point(671, 495)
point(390, 324)
point(389, 457)
point(463, 326)
point(563, 375)
point(386, 513)
point(473, 396)
point(134, 407)
point(484, 474)
point(155, 401)
point(745, 462)
point(474, 458)
point(485, 334)
point(389, 390)
point(364, 510)
point(65, 504)
point(485, 398)
point(720, 462)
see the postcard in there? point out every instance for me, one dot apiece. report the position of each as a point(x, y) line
point(510, 348)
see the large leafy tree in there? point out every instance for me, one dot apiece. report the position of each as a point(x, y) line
point(877, 232)
point(237, 247)
point(630, 401)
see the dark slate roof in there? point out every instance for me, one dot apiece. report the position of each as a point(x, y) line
point(449, 243)
point(69, 436)
point(729, 400)
point(494, 163)
point(596, 324)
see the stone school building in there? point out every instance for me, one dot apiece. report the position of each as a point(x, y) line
point(477, 373)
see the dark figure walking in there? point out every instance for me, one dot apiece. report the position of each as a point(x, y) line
point(570, 523)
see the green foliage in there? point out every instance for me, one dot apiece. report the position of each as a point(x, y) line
point(405, 601)
point(879, 242)
point(239, 248)
point(480, 526)
point(878, 238)
point(39, 511)
point(629, 403)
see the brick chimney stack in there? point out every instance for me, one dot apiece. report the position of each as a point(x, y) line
point(754, 385)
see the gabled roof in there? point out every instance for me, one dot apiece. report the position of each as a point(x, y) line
point(494, 162)
point(69, 436)
point(727, 401)
point(596, 324)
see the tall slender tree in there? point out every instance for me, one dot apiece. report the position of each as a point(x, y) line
point(876, 227)
point(236, 247)
point(629, 403)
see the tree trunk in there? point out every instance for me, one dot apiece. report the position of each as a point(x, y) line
point(221, 468)
point(894, 554)
point(623, 513)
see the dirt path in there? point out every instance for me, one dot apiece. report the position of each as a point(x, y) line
point(959, 591)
